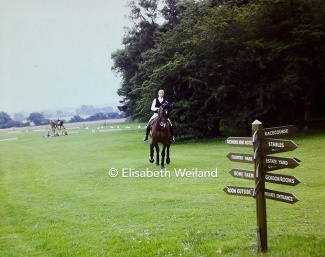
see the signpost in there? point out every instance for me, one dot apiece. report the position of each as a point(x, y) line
point(280, 196)
point(246, 174)
point(281, 179)
point(268, 177)
point(240, 141)
point(271, 146)
point(244, 191)
point(263, 144)
point(279, 131)
point(276, 163)
point(241, 157)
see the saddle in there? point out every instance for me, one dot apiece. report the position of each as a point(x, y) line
point(151, 123)
point(159, 127)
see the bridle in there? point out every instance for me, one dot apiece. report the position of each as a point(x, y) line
point(163, 117)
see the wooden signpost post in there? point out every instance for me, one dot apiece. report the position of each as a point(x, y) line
point(263, 145)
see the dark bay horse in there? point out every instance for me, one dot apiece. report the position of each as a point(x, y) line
point(160, 133)
point(58, 124)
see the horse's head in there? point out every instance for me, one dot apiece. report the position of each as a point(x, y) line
point(163, 112)
point(163, 115)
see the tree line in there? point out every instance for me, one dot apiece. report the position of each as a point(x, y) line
point(224, 63)
point(38, 118)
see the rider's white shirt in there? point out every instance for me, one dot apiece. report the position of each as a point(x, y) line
point(154, 108)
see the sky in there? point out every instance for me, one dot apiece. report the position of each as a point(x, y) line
point(56, 54)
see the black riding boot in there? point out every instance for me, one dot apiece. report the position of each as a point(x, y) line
point(147, 133)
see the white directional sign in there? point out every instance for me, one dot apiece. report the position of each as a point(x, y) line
point(239, 173)
point(279, 131)
point(281, 179)
point(243, 191)
point(241, 157)
point(270, 146)
point(240, 141)
point(280, 196)
point(276, 163)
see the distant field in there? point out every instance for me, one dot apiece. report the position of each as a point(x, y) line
point(58, 197)
point(67, 125)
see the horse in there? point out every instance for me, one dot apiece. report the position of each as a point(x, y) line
point(59, 124)
point(160, 133)
point(53, 126)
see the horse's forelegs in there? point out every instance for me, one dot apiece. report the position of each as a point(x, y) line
point(167, 157)
point(157, 154)
point(162, 166)
point(151, 159)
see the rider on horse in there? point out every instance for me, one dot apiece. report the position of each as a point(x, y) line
point(156, 104)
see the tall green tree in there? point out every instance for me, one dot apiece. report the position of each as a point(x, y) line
point(233, 63)
point(138, 39)
point(294, 35)
point(171, 12)
point(176, 67)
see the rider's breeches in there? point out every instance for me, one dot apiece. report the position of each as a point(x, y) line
point(154, 116)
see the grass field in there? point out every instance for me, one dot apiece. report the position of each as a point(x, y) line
point(57, 198)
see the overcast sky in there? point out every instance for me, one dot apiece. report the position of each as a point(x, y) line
point(57, 53)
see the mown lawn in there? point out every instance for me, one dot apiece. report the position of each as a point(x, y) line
point(57, 198)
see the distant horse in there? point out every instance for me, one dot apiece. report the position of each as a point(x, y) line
point(60, 124)
point(160, 133)
point(56, 124)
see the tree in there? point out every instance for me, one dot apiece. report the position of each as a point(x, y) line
point(4, 118)
point(241, 64)
point(296, 49)
point(97, 116)
point(7, 122)
point(37, 118)
point(85, 110)
point(184, 74)
point(76, 118)
point(137, 41)
point(171, 12)
point(233, 63)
